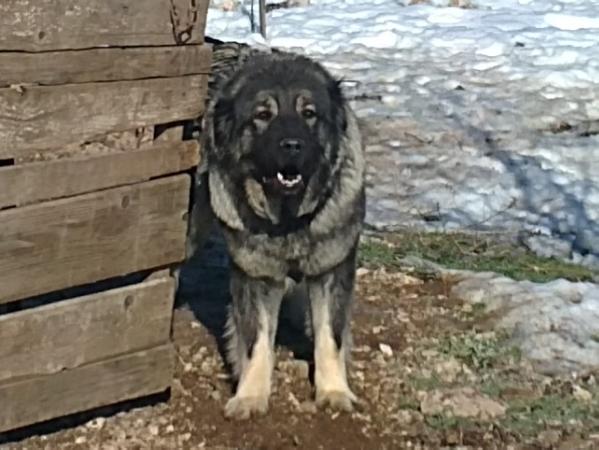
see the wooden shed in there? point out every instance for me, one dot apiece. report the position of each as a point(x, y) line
point(93, 207)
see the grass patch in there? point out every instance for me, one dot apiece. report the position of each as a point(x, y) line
point(492, 387)
point(408, 403)
point(530, 417)
point(470, 252)
point(421, 383)
point(480, 351)
point(449, 422)
point(378, 254)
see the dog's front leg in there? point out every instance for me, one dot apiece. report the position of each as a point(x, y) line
point(251, 329)
point(331, 297)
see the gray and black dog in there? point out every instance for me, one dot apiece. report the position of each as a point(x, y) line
point(286, 183)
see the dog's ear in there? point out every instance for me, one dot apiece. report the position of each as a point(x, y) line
point(223, 121)
point(337, 104)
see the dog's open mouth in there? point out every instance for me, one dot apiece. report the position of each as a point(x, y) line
point(288, 181)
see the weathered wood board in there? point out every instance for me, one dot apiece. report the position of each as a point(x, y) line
point(83, 239)
point(45, 118)
point(98, 384)
point(41, 25)
point(71, 333)
point(107, 64)
point(30, 183)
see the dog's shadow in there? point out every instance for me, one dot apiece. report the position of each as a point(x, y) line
point(203, 288)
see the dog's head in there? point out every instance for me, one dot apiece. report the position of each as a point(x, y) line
point(278, 121)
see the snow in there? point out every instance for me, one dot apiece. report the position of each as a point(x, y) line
point(484, 117)
point(571, 23)
point(555, 324)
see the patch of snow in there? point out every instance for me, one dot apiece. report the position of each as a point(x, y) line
point(571, 23)
point(495, 108)
point(556, 324)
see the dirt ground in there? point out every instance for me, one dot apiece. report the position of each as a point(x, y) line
point(429, 371)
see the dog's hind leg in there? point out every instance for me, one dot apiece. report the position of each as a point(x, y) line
point(251, 330)
point(331, 296)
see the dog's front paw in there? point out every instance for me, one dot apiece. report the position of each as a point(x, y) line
point(336, 400)
point(242, 408)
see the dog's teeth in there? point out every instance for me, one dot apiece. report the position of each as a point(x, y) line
point(288, 182)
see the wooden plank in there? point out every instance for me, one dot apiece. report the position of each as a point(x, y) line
point(72, 333)
point(42, 25)
point(83, 239)
point(29, 183)
point(102, 383)
point(42, 118)
point(109, 64)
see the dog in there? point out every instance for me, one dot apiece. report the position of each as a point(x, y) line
point(285, 168)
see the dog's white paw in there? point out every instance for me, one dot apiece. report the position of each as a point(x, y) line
point(336, 400)
point(242, 408)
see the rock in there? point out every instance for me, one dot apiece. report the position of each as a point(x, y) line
point(215, 395)
point(296, 368)
point(386, 350)
point(120, 434)
point(362, 271)
point(402, 278)
point(362, 349)
point(308, 407)
point(81, 440)
point(581, 394)
point(407, 416)
point(206, 367)
point(97, 423)
point(429, 353)
point(461, 402)
point(154, 430)
point(549, 438)
point(448, 370)
point(293, 400)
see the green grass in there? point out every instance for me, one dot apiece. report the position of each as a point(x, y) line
point(470, 252)
point(528, 417)
point(479, 351)
point(492, 387)
point(449, 422)
point(421, 383)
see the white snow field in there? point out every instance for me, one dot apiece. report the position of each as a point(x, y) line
point(485, 117)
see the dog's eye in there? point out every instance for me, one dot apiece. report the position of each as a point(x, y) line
point(308, 113)
point(263, 115)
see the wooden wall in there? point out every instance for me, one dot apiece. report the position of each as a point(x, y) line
point(87, 194)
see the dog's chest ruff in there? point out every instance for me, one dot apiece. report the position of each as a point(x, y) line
point(260, 255)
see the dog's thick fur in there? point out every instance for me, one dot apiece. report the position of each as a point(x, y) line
point(276, 231)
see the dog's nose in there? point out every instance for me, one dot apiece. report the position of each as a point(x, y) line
point(292, 146)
